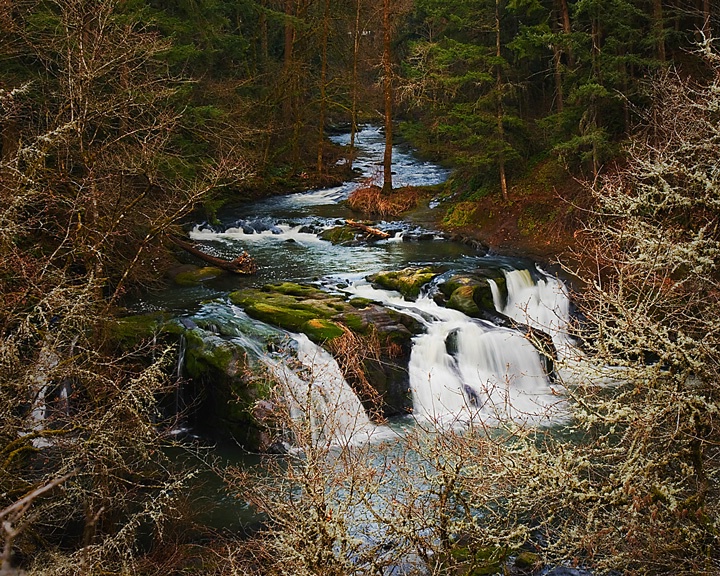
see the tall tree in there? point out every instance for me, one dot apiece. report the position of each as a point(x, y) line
point(97, 177)
point(388, 99)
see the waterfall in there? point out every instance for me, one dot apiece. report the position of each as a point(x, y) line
point(462, 368)
point(318, 391)
point(544, 304)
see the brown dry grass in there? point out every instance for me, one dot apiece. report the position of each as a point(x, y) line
point(371, 200)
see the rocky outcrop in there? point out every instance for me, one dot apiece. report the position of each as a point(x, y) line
point(383, 337)
point(224, 390)
point(408, 281)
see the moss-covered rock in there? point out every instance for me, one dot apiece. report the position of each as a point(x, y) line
point(320, 330)
point(462, 299)
point(294, 307)
point(471, 293)
point(197, 276)
point(225, 388)
point(408, 281)
point(342, 235)
point(527, 561)
point(324, 317)
point(131, 330)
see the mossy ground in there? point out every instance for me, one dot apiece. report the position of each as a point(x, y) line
point(538, 220)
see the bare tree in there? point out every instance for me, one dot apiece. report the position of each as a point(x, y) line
point(91, 180)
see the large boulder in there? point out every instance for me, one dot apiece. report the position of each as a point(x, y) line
point(408, 281)
point(472, 293)
point(222, 391)
point(379, 338)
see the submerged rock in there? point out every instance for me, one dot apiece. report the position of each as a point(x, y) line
point(196, 276)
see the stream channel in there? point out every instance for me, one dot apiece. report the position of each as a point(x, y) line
point(459, 367)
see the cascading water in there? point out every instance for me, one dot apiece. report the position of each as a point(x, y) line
point(543, 304)
point(318, 392)
point(463, 368)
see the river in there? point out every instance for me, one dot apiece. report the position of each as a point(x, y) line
point(461, 369)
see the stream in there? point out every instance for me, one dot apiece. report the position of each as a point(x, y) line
point(460, 369)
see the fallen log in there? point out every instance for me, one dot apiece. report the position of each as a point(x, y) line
point(243, 264)
point(367, 229)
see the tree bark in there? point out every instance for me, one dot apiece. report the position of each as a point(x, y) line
point(243, 264)
point(367, 229)
point(498, 87)
point(323, 81)
point(659, 29)
point(288, 58)
point(567, 27)
point(387, 97)
point(356, 58)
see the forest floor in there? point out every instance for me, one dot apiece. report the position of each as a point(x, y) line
point(540, 219)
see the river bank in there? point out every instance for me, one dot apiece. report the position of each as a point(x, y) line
point(539, 220)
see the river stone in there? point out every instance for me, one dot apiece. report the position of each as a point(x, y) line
point(408, 281)
point(462, 299)
point(340, 235)
point(461, 289)
point(197, 276)
point(224, 394)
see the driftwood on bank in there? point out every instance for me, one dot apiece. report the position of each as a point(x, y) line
point(367, 229)
point(243, 264)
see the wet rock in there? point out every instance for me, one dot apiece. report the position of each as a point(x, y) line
point(196, 276)
point(324, 317)
point(225, 396)
point(462, 299)
point(340, 235)
point(526, 561)
point(408, 281)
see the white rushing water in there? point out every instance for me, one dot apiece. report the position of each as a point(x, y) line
point(462, 368)
point(542, 304)
point(318, 393)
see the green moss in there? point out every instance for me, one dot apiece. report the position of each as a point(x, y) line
point(460, 214)
point(293, 289)
point(360, 302)
point(479, 561)
point(483, 296)
point(339, 235)
point(198, 276)
point(294, 307)
point(462, 300)
point(408, 281)
point(534, 218)
point(205, 355)
point(355, 322)
point(320, 330)
point(131, 330)
point(526, 560)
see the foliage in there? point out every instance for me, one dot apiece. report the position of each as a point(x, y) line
point(90, 179)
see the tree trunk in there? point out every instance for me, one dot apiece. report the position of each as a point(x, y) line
point(387, 97)
point(498, 87)
point(263, 25)
point(243, 264)
point(323, 82)
point(659, 29)
point(288, 62)
point(566, 26)
point(356, 58)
